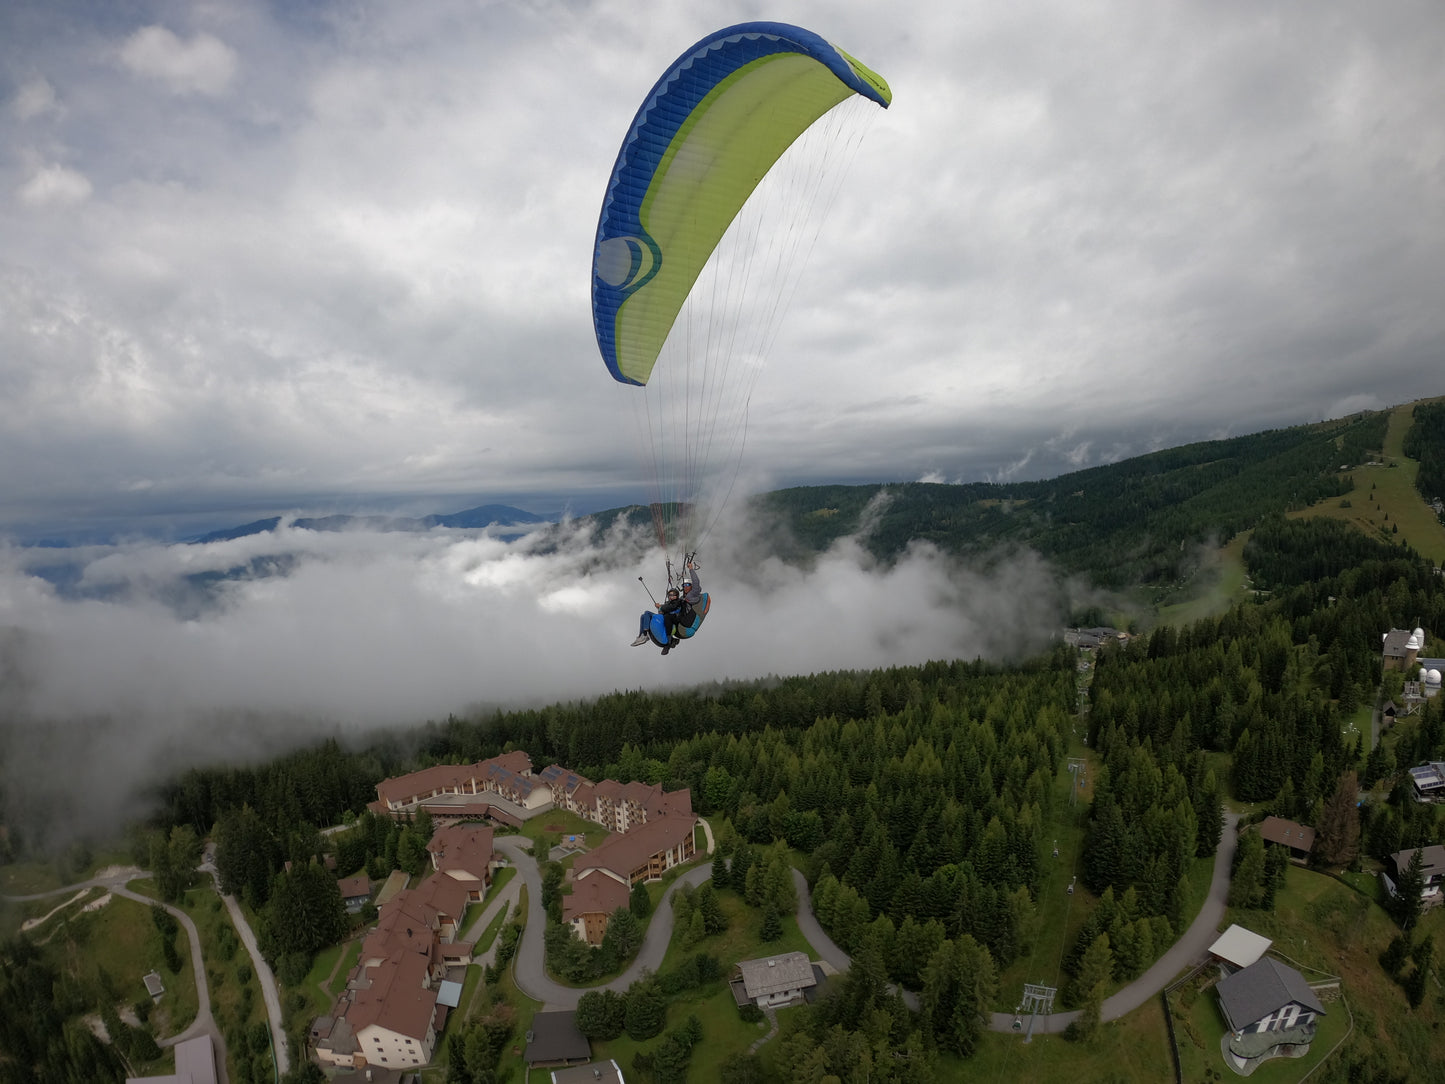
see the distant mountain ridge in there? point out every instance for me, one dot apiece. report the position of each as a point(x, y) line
point(486, 515)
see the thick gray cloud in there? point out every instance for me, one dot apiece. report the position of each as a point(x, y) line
point(262, 254)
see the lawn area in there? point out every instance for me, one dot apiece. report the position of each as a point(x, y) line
point(327, 977)
point(114, 945)
point(475, 910)
point(1200, 1028)
point(1060, 912)
point(724, 1032)
point(236, 1001)
point(28, 878)
point(1324, 925)
point(1133, 1049)
point(546, 831)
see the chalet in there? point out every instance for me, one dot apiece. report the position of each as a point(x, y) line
point(355, 892)
point(593, 899)
point(1298, 838)
point(1270, 1010)
point(1432, 867)
point(643, 854)
point(564, 784)
point(774, 980)
point(444, 788)
point(620, 807)
point(506, 790)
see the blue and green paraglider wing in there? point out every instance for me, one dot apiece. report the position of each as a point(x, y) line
point(704, 138)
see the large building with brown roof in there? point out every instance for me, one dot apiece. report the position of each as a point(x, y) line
point(643, 854)
point(509, 791)
point(388, 1014)
point(465, 853)
point(508, 776)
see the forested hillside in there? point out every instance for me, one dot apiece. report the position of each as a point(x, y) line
point(1127, 523)
point(1425, 442)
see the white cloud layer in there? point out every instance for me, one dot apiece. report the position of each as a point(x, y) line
point(55, 186)
point(140, 666)
point(202, 65)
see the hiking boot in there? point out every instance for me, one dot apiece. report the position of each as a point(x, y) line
point(641, 639)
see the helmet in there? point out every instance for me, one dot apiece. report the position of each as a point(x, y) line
point(686, 584)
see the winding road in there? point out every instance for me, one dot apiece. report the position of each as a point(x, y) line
point(115, 879)
point(531, 976)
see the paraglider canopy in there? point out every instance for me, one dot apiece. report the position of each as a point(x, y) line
point(701, 149)
point(705, 136)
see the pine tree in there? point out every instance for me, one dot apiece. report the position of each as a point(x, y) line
point(640, 902)
point(1246, 887)
point(772, 927)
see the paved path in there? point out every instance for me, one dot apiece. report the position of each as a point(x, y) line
point(507, 897)
point(1190, 947)
point(531, 975)
point(114, 881)
point(530, 971)
point(269, 993)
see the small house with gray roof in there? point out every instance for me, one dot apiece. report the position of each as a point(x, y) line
point(1432, 869)
point(774, 980)
point(1270, 1010)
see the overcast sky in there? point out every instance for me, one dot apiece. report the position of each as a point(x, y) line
point(269, 258)
point(277, 256)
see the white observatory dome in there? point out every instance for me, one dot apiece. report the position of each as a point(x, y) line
point(1413, 643)
point(1432, 677)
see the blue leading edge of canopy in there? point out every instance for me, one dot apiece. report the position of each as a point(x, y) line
point(664, 110)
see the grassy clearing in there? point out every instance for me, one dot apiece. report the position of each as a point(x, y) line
point(1384, 503)
point(1218, 585)
point(546, 831)
point(1133, 1049)
point(236, 1001)
point(1060, 913)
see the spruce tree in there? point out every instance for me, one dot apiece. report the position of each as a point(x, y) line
point(1408, 900)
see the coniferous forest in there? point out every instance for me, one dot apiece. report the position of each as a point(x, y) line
point(919, 801)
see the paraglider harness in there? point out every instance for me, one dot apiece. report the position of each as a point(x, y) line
point(675, 623)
